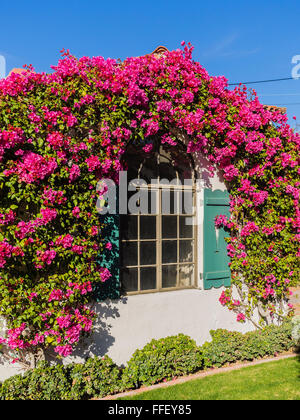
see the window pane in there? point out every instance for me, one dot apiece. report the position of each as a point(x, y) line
point(129, 227)
point(148, 227)
point(169, 276)
point(129, 253)
point(152, 202)
point(138, 201)
point(186, 230)
point(129, 279)
point(169, 252)
point(188, 202)
point(148, 278)
point(169, 227)
point(186, 251)
point(186, 276)
point(148, 253)
point(169, 201)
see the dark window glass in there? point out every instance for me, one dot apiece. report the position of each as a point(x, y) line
point(186, 251)
point(169, 252)
point(152, 202)
point(169, 201)
point(169, 276)
point(129, 230)
point(148, 278)
point(142, 201)
point(148, 253)
point(169, 227)
point(130, 279)
point(129, 254)
point(187, 202)
point(185, 228)
point(148, 227)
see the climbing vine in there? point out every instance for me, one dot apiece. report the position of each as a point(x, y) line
point(62, 132)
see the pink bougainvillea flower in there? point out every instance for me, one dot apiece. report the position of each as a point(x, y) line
point(241, 318)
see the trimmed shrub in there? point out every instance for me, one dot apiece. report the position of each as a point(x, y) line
point(43, 383)
point(270, 341)
point(96, 378)
point(161, 360)
point(225, 347)
point(229, 347)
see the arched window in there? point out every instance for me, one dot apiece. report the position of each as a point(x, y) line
point(158, 241)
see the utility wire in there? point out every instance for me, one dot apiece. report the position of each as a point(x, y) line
point(279, 94)
point(293, 103)
point(263, 81)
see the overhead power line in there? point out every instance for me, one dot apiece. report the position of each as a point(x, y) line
point(263, 81)
point(292, 103)
point(279, 94)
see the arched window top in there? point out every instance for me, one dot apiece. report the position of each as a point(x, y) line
point(165, 162)
point(158, 241)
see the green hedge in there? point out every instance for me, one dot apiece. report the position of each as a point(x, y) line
point(162, 360)
point(229, 347)
point(43, 383)
point(96, 378)
point(159, 360)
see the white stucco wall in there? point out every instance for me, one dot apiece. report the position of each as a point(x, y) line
point(133, 321)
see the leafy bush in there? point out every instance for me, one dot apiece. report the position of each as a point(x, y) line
point(229, 347)
point(96, 378)
point(224, 348)
point(43, 383)
point(161, 360)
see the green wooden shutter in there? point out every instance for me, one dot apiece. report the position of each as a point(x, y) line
point(111, 289)
point(216, 269)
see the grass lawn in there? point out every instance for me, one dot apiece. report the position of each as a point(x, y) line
point(271, 381)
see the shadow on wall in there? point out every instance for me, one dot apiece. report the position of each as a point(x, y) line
point(202, 168)
point(101, 340)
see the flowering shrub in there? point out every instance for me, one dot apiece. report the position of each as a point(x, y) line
point(62, 132)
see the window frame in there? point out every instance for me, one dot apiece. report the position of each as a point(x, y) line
point(159, 188)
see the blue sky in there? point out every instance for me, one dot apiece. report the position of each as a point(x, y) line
point(243, 40)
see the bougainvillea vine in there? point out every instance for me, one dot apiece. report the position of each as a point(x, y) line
point(62, 132)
